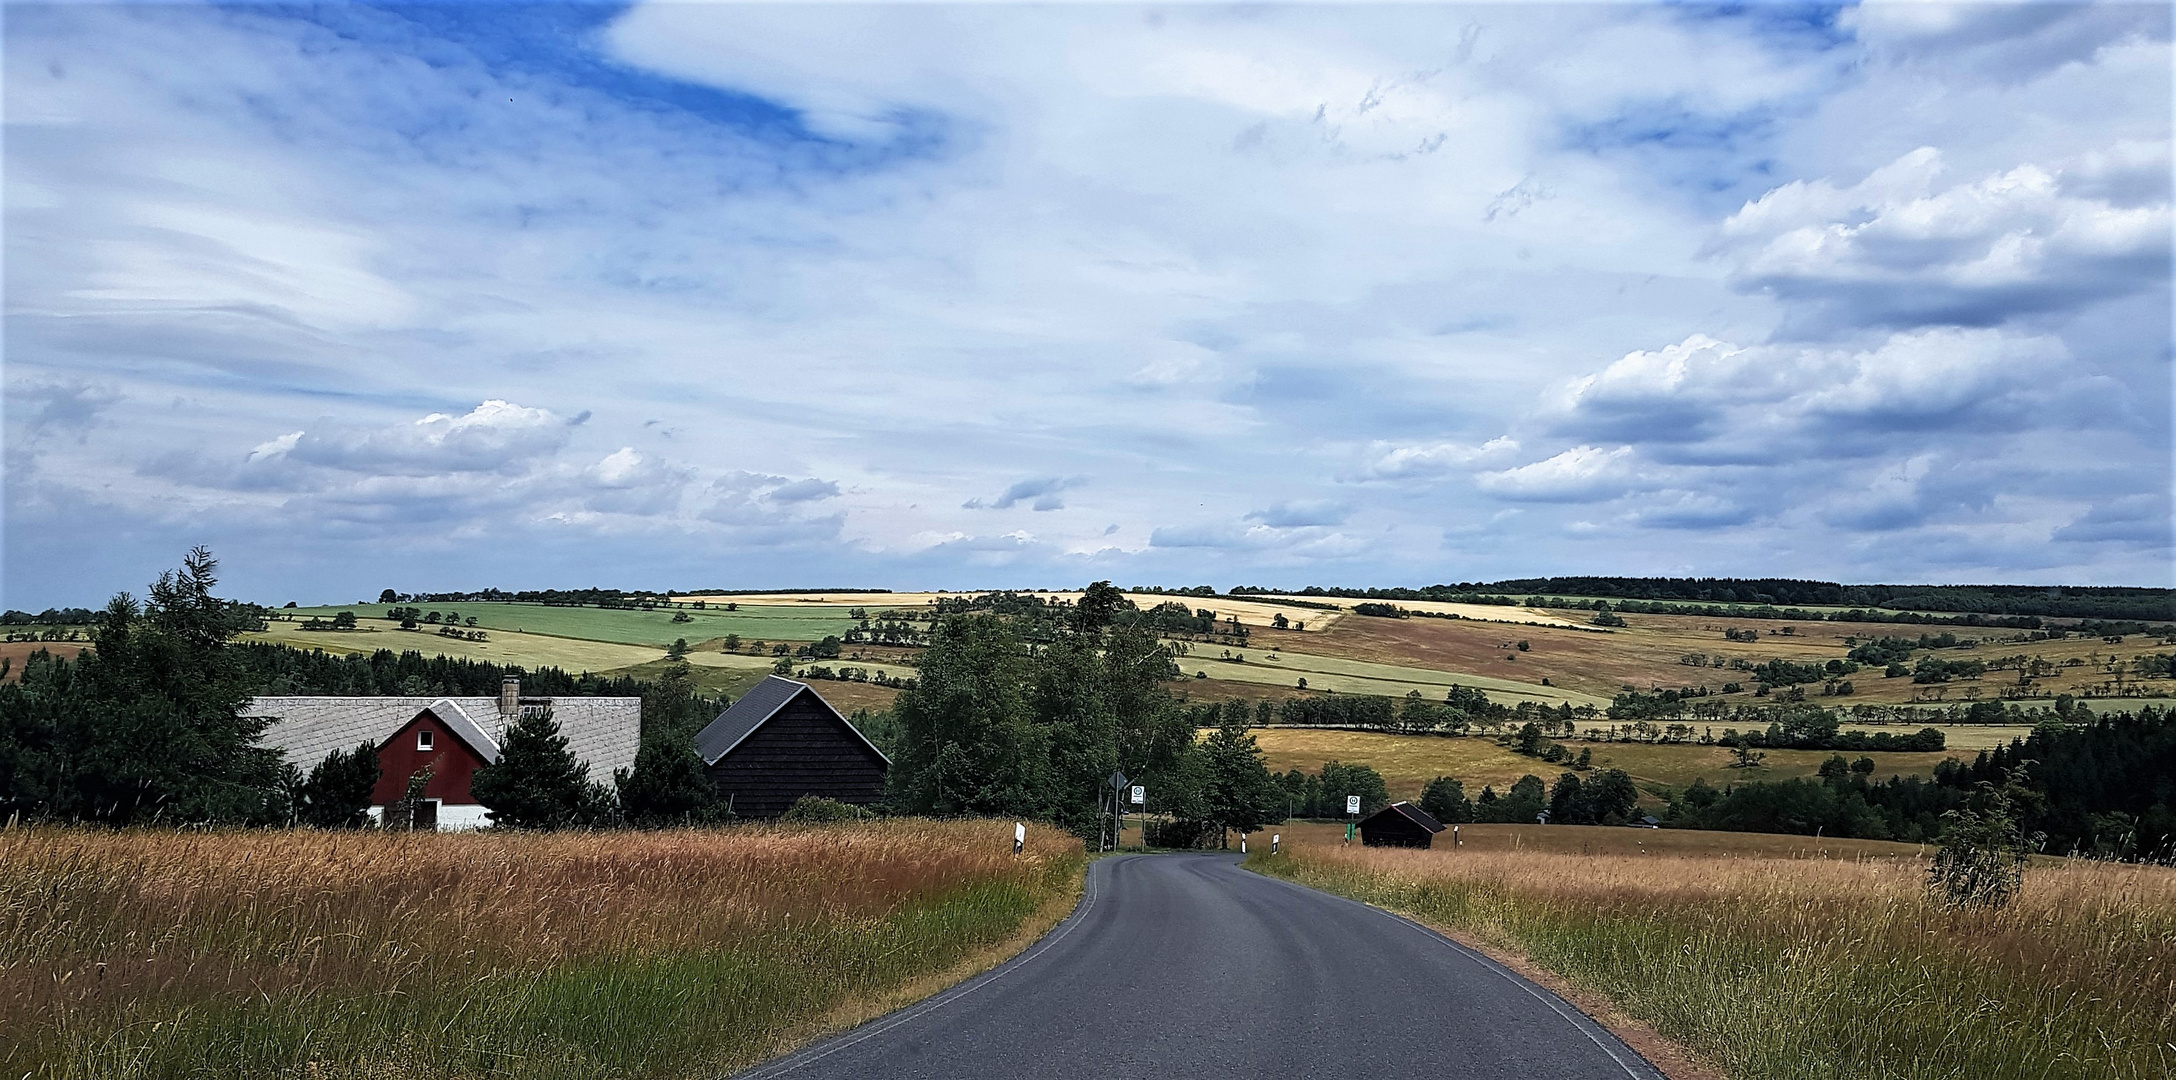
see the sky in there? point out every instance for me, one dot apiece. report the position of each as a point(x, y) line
point(689, 296)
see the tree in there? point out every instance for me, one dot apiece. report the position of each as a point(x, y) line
point(968, 745)
point(1984, 850)
point(1567, 805)
point(338, 791)
point(677, 650)
point(1340, 780)
point(537, 783)
point(149, 724)
point(1445, 800)
point(1530, 739)
point(732, 643)
point(1237, 792)
point(668, 784)
point(1610, 797)
point(1098, 607)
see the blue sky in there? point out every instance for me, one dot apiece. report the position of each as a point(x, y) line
point(917, 295)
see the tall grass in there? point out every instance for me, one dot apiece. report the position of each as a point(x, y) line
point(312, 954)
point(1795, 968)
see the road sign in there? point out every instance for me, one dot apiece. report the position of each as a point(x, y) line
point(1140, 794)
point(1118, 779)
point(1352, 804)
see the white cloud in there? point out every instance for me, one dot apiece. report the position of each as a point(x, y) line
point(1899, 248)
point(819, 275)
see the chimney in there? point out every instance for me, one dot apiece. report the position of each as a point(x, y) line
point(509, 699)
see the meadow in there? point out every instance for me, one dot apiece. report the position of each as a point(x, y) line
point(1789, 967)
point(303, 953)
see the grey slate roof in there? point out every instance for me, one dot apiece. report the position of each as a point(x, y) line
point(603, 731)
point(1414, 814)
point(743, 717)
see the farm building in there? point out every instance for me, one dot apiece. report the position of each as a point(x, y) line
point(452, 736)
point(1400, 824)
point(782, 741)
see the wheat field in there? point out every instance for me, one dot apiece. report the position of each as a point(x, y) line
point(1791, 968)
point(320, 954)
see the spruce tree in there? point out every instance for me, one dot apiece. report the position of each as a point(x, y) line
point(536, 783)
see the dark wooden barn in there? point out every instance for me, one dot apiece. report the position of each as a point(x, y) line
point(1400, 824)
point(783, 741)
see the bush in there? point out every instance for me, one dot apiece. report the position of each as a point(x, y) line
point(817, 810)
point(1183, 835)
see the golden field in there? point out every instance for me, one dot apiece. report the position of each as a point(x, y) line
point(1793, 967)
point(142, 953)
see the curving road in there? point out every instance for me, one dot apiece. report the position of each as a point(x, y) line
point(1185, 967)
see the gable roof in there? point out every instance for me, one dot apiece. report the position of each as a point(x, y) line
point(603, 731)
point(1411, 813)
point(457, 720)
point(736, 723)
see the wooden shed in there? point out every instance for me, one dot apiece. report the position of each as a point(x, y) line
point(1400, 824)
point(783, 741)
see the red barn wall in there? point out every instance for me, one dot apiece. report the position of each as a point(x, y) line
point(452, 762)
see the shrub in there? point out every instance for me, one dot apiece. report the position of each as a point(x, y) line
point(817, 810)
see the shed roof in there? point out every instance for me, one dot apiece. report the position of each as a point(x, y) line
point(602, 731)
point(1411, 813)
point(743, 717)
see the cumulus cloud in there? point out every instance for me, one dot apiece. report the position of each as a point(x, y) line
point(1708, 400)
point(1899, 247)
point(1582, 473)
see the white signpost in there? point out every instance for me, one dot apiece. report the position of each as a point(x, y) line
point(1273, 839)
point(1352, 804)
point(1019, 837)
point(1140, 795)
point(1352, 815)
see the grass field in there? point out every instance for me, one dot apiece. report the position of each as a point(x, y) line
point(312, 954)
point(1782, 966)
point(1408, 762)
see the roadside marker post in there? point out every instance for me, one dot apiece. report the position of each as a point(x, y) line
point(1273, 839)
point(1140, 799)
point(1019, 836)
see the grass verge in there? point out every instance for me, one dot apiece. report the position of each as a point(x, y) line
point(143, 954)
point(1795, 968)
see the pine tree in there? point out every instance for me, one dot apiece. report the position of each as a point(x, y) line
point(536, 783)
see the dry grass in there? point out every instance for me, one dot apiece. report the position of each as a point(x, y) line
point(620, 954)
point(1803, 968)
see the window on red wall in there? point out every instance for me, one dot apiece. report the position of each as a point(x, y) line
point(423, 739)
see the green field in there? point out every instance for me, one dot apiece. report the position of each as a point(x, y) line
point(634, 627)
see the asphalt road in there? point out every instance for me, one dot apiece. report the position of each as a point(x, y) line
point(1185, 967)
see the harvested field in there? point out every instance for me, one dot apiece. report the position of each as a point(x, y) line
point(1800, 968)
point(1617, 840)
point(1408, 762)
point(503, 647)
point(1348, 676)
point(633, 626)
point(15, 652)
point(418, 955)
